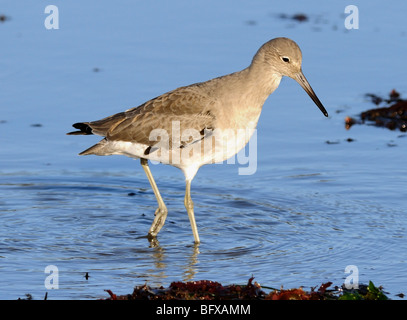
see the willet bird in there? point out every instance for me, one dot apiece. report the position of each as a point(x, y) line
point(198, 124)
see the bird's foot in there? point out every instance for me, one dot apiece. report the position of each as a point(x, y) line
point(158, 223)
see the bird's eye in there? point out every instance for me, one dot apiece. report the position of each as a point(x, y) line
point(285, 59)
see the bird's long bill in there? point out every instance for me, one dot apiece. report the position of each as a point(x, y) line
point(300, 78)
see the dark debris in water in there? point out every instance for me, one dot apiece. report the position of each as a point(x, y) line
point(337, 141)
point(299, 17)
point(392, 113)
point(4, 18)
point(212, 290)
point(316, 22)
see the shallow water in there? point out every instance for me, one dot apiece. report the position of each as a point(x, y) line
point(311, 209)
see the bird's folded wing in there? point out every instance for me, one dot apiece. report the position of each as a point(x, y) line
point(182, 112)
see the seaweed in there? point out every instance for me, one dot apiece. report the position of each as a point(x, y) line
point(212, 290)
point(392, 113)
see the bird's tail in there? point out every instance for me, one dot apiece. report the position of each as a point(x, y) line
point(84, 129)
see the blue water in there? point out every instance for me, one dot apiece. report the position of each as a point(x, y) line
point(311, 209)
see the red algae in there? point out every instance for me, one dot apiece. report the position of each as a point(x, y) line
point(212, 290)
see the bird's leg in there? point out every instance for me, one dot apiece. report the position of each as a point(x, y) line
point(161, 212)
point(189, 205)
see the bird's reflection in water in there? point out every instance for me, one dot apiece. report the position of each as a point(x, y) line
point(160, 256)
point(190, 268)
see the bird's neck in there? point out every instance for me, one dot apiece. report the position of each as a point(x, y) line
point(243, 94)
point(263, 79)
